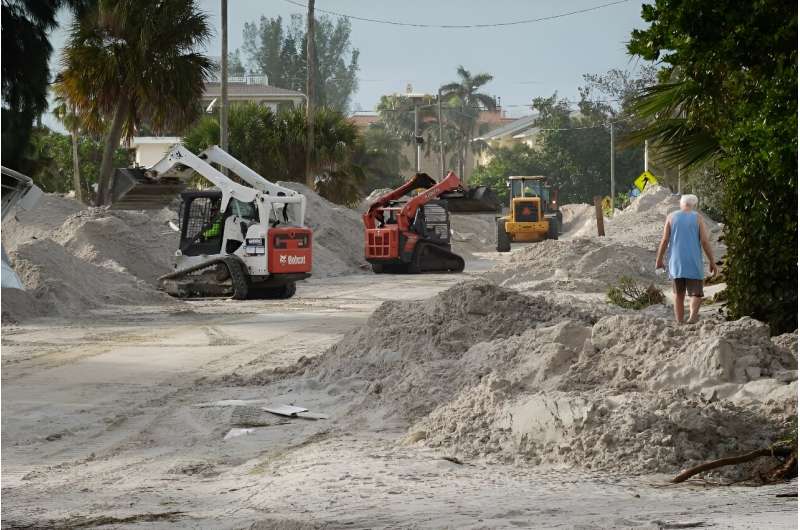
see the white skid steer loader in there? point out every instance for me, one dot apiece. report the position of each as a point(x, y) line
point(235, 241)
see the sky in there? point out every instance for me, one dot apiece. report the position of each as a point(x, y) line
point(526, 60)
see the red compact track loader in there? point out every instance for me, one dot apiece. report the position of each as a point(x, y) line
point(412, 235)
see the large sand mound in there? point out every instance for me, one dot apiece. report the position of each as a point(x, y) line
point(630, 393)
point(584, 265)
point(64, 284)
point(47, 215)
point(483, 371)
point(139, 243)
point(412, 352)
point(72, 259)
point(642, 222)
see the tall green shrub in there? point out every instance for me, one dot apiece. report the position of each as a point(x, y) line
point(728, 93)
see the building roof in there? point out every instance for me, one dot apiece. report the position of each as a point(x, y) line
point(249, 90)
point(363, 120)
point(510, 129)
point(141, 140)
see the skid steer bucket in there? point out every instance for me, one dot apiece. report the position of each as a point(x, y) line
point(479, 199)
point(132, 189)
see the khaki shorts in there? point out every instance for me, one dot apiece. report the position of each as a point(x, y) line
point(683, 285)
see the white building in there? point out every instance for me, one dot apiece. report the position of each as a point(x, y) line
point(151, 149)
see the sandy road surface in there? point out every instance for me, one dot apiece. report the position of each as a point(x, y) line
point(101, 427)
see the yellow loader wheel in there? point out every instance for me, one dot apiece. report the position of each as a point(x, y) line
point(503, 241)
point(552, 228)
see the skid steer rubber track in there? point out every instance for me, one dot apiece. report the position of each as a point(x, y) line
point(280, 292)
point(434, 258)
point(187, 283)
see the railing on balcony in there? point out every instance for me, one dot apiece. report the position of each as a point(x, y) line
point(260, 79)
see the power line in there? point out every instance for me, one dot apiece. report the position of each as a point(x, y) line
point(459, 26)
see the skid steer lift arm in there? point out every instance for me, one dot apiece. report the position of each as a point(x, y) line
point(179, 161)
point(218, 156)
point(406, 215)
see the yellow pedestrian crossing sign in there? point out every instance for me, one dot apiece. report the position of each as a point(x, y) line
point(645, 179)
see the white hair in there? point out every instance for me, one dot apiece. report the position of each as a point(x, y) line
point(689, 201)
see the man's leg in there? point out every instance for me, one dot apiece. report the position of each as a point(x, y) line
point(694, 308)
point(679, 290)
point(695, 299)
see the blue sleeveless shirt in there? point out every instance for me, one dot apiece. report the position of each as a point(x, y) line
point(685, 252)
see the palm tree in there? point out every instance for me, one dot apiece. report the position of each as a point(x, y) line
point(464, 104)
point(65, 113)
point(667, 112)
point(129, 62)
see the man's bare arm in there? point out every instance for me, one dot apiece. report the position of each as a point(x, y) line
point(706, 243)
point(662, 247)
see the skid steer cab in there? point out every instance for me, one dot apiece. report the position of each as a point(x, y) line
point(533, 213)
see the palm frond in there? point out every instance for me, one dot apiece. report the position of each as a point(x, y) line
point(667, 110)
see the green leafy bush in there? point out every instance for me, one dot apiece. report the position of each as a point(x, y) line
point(728, 96)
point(274, 145)
point(630, 294)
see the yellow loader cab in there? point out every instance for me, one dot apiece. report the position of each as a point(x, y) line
point(533, 213)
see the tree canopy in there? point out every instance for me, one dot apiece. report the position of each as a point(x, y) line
point(25, 70)
point(274, 143)
point(572, 146)
point(133, 62)
point(278, 50)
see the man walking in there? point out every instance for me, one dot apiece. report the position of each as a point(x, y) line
point(685, 234)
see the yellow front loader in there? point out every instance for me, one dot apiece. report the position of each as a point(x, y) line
point(533, 213)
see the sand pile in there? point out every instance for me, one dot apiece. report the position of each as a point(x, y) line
point(48, 215)
point(575, 216)
point(72, 259)
point(338, 234)
point(473, 233)
point(63, 284)
point(411, 353)
point(578, 265)
point(642, 222)
point(484, 371)
point(137, 242)
point(630, 393)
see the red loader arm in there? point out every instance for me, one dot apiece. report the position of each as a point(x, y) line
point(409, 210)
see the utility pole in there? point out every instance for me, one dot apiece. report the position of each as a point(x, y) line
point(418, 152)
point(612, 169)
point(311, 70)
point(441, 133)
point(416, 98)
point(76, 165)
point(223, 110)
